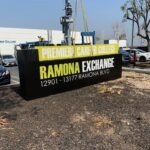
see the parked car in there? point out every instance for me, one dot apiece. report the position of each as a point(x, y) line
point(4, 75)
point(9, 60)
point(133, 57)
point(125, 57)
point(141, 55)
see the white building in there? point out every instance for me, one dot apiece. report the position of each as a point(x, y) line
point(9, 37)
point(121, 43)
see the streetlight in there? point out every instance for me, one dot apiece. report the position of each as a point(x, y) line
point(133, 12)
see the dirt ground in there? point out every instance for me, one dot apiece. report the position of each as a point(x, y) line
point(113, 115)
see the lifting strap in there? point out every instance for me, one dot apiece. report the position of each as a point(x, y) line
point(75, 22)
point(85, 23)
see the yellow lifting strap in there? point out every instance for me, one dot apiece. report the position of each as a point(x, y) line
point(75, 21)
point(85, 23)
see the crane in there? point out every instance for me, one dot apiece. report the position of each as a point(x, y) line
point(66, 22)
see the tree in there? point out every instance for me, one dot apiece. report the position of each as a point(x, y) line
point(138, 11)
point(119, 34)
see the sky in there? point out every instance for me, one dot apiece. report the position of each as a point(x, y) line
point(45, 14)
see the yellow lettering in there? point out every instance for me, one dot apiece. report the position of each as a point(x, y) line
point(65, 66)
point(77, 68)
point(58, 70)
point(50, 72)
point(71, 68)
point(43, 74)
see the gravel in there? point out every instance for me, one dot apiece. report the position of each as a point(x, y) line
point(112, 115)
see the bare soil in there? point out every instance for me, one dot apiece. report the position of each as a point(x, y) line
point(113, 115)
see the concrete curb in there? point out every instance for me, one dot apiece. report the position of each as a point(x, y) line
point(9, 85)
point(136, 70)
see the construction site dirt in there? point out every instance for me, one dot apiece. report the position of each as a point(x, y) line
point(105, 116)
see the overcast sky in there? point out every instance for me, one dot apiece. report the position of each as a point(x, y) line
point(45, 14)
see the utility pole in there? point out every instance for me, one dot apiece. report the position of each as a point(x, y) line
point(132, 11)
point(132, 30)
point(66, 22)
